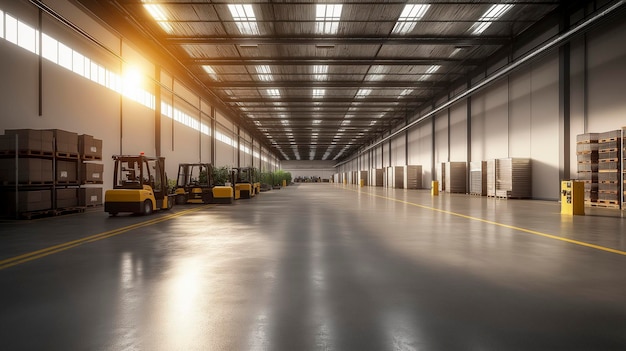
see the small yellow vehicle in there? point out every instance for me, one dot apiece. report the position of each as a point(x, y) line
point(247, 182)
point(139, 186)
point(195, 185)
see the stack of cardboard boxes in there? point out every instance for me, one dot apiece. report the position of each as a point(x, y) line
point(91, 171)
point(40, 170)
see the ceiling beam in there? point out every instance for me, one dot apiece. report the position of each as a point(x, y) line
point(310, 61)
point(351, 40)
point(362, 101)
point(332, 84)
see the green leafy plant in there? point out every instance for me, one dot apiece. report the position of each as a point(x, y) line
point(221, 175)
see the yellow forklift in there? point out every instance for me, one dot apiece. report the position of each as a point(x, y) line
point(247, 183)
point(195, 185)
point(139, 186)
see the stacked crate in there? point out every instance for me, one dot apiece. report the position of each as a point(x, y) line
point(609, 168)
point(66, 169)
point(587, 166)
point(91, 172)
point(455, 177)
point(478, 178)
point(491, 178)
point(513, 178)
point(412, 176)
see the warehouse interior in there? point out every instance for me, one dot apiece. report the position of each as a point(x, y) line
point(391, 105)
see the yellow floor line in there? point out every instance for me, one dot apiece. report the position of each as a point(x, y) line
point(529, 231)
point(33, 255)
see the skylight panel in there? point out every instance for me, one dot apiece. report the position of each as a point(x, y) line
point(319, 93)
point(264, 73)
point(327, 18)
point(208, 69)
point(363, 93)
point(273, 92)
point(411, 14)
point(432, 69)
point(245, 20)
point(493, 13)
point(406, 92)
point(376, 73)
point(320, 72)
point(156, 11)
point(317, 121)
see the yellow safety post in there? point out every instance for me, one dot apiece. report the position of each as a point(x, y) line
point(284, 183)
point(362, 182)
point(434, 190)
point(572, 198)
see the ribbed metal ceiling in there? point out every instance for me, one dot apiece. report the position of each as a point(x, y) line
point(322, 95)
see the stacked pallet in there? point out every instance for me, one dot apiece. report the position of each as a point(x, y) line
point(587, 165)
point(412, 176)
point(455, 176)
point(91, 175)
point(513, 178)
point(478, 178)
point(609, 168)
point(491, 178)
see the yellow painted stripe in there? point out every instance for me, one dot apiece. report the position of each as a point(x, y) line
point(529, 231)
point(33, 255)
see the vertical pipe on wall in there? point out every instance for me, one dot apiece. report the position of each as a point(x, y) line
point(433, 168)
point(157, 110)
point(122, 103)
point(238, 148)
point(406, 137)
point(564, 103)
point(213, 132)
point(468, 126)
point(585, 85)
point(40, 62)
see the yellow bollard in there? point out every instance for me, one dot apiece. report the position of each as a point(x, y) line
point(284, 183)
point(362, 182)
point(572, 198)
point(434, 190)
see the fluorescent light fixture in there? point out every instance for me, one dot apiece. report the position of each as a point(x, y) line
point(346, 122)
point(244, 18)
point(363, 93)
point(317, 121)
point(411, 14)
point(273, 92)
point(264, 73)
point(156, 11)
point(456, 52)
point(320, 72)
point(257, 123)
point(208, 69)
point(319, 93)
point(327, 18)
point(493, 13)
point(406, 92)
point(284, 122)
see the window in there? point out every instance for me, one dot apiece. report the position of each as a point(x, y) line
point(244, 18)
point(1, 24)
point(27, 37)
point(327, 18)
point(49, 48)
point(11, 29)
point(156, 11)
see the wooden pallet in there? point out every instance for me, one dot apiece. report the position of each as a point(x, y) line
point(92, 182)
point(67, 155)
point(27, 153)
point(608, 140)
point(91, 158)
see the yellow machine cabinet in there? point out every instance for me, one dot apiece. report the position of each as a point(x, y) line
point(572, 198)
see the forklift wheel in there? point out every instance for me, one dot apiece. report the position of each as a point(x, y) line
point(147, 208)
point(181, 199)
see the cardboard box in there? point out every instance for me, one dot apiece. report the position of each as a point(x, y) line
point(90, 197)
point(67, 171)
point(30, 170)
point(33, 200)
point(89, 148)
point(91, 172)
point(66, 142)
point(67, 198)
point(29, 140)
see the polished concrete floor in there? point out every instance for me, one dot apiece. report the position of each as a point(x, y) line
point(318, 267)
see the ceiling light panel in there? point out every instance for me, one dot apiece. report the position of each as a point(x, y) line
point(208, 69)
point(264, 73)
point(158, 14)
point(273, 92)
point(411, 14)
point(363, 93)
point(327, 17)
point(245, 20)
point(492, 14)
point(320, 72)
point(319, 93)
